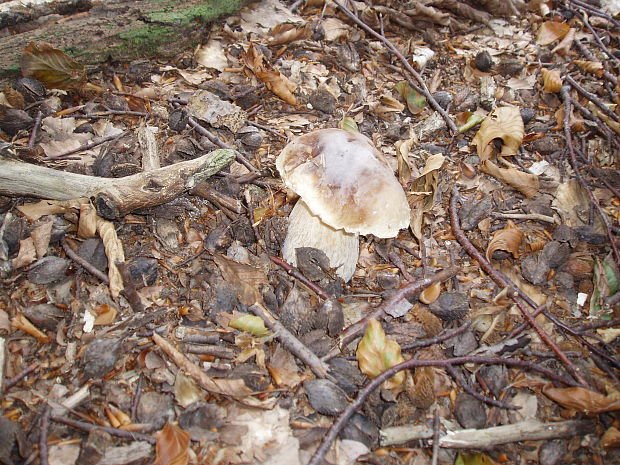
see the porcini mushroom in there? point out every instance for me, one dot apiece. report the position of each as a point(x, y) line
point(346, 188)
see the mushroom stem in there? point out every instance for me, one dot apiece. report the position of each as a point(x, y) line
point(307, 230)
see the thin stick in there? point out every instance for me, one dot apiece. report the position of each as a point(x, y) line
point(435, 437)
point(298, 275)
point(407, 365)
point(136, 399)
point(84, 147)
point(593, 98)
point(43, 433)
point(437, 339)
point(9, 383)
point(35, 129)
point(525, 216)
point(267, 128)
point(429, 97)
point(468, 388)
point(88, 427)
point(83, 263)
point(503, 281)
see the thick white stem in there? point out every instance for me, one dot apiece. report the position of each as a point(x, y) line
point(307, 230)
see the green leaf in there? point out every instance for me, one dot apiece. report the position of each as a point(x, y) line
point(349, 124)
point(250, 324)
point(472, 121)
point(53, 67)
point(415, 102)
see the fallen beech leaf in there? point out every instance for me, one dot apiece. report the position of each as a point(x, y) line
point(251, 324)
point(283, 368)
point(575, 122)
point(172, 447)
point(186, 391)
point(552, 81)
point(503, 123)
point(564, 46)
point(525, 183)
point(41, 237)
point(415, 102)
point(245, 279)
point(376, 353)
point(287, 32)
point(349, 124)
point(550, 31)
point(53, 67)
point(105, 315)
point(611, 438)
point(26, 255)
point(508, 239)
point(583, 399)
point(279, 84)
point(594, 67)
point(430, 294)
point(473, 459)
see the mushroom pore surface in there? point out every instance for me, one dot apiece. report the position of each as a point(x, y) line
point(345, 181)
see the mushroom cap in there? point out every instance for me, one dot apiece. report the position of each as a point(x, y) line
point(345, 181)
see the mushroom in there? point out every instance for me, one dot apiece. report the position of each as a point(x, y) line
point(346, 188)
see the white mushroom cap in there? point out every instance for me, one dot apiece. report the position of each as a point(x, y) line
point(346, 182)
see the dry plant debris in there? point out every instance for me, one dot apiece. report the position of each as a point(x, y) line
point(148, 313)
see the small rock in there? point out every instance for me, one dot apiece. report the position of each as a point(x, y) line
point(473, 211)
point(346, 374)
point(100, 356)
point(46, 316)
point(450, 306)
point(115, 102)
point(556, 253)
point(443, 98)
point(463, 343)
point(93, 251)
point(483, 61)
point(545, 145)
point(143, 271)
point(155, 409)
point(323, 100)
point(387, 279)
point(325, 397)
point(527, 114)
point(313, 263)
point(496, 377)
point(509, 67)
point(48, 270)
point(534, 268)
point(93, 449)
point(199, 419)
point(552, 452)
point(250, 136)
point(470, 412)
point(178, 120)
point(359, 428)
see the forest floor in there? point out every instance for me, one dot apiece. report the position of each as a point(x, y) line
point(170, 331)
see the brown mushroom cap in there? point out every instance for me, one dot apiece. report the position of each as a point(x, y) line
point(345, 181)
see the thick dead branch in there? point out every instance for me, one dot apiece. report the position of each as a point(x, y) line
point(114, 197)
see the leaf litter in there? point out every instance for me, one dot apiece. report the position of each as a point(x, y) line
point(152, 340)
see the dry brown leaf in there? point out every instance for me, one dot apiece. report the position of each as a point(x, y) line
point(525, 183)
point(23, 323)
point(34, 211)
point(53, 67)
point(26, 255)
point(245, 279)
point(583, 399)
point(430, 294)
point(283, 368)
point(611, 438)
point(376, 353)
point(287, 32)
point(115, 253)
point(279, 84)
point(105, 315)
point(508, 239)
point(552, 81)
point(41, 237)
point(172, 447)
point(564, 46)
point(576, 122)
point(594, 67)
point(503, 123)
point(550, 31)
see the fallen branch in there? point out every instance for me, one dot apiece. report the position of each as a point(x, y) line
point(88, 427)
point(529, 430)
point(114, 197)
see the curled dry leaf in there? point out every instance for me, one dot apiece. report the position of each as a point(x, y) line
point(583, 399)
point(525, 183)
point(376, 353)
point(552, 81)
point(564, 46)
point(430, 294)
point(594, 67)
point(172, 447)
point(508, 239)
point(503, 123)
point(550, 31)
point(287, 32)
point(53, 67)
point(245, 279)
point(275, 81)
point(23, 323)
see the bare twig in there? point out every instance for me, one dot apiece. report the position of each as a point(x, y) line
point(452, 371)
point(290, 342)
point(593, 98)
point(43, 432)
point(429, 97)
point(437, 339)
point(9, 383)
point(88, 427)
point(35, 129)
point(407, 365)
point(503, 281)
point(136, 399)
point(525, 216)
point(84, 147)
point(435, 437)
point(129, 289)
point(83, 263)
point(298, 275)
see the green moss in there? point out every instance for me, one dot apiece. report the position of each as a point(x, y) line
point(206, 11)
point(147, 37)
